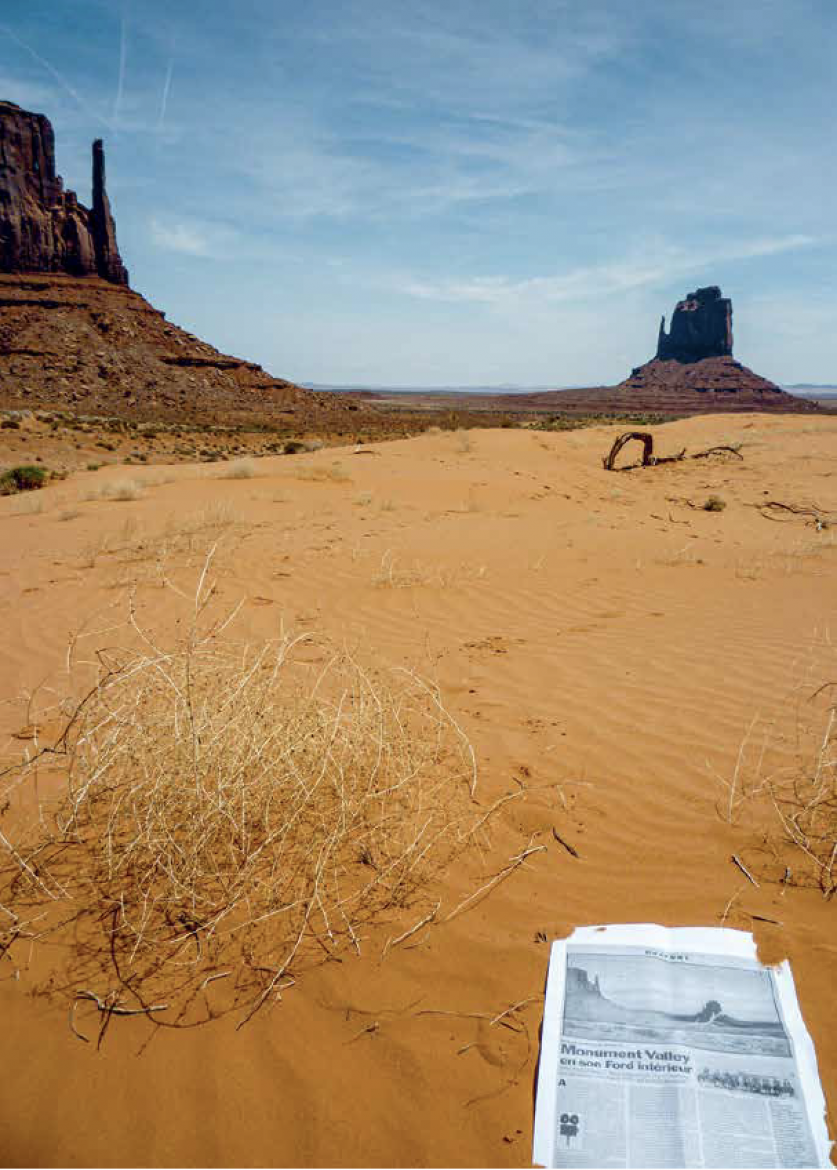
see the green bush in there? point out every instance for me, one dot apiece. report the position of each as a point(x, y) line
point(22, 479)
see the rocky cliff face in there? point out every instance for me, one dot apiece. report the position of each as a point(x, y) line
point(44, 228)
point(701, 327)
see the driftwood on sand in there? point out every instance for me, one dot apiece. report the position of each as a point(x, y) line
point(649, 459)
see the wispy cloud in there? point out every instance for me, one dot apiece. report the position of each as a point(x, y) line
point(191, 237)
point(32, 95)
point(54, 73)
point(652, 266)
point(123, 48)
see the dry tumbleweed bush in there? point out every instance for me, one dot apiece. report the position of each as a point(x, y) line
point(794, 804)
point(805, 803)
point(232, 812)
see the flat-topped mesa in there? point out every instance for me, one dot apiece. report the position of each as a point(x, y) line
point(701, 327)
point(44, 228)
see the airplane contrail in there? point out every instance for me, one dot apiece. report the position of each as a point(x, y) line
point(164, 100)
point(117, 102)
point(65, 85)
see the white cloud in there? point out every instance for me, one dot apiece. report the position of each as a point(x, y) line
point(651, 265)
point(191, 237)
point(30, 95)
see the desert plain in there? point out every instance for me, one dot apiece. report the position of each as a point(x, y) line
point(638, 675)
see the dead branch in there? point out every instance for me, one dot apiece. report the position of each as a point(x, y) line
point(780, 512)
point(114, 1007)
point(498, 877)
point(393, 942)
point(109, 1007)
point(736, 450)
point(649, 459)
point(740, 865)
point(571, 849)
point(643, 437)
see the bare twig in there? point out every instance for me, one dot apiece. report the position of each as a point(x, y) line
point(494, 881)
point(393, 942)
point(740, 864)
point(571, 849)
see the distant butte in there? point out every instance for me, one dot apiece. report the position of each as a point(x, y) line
point(692, 372)
point(701, 327)
point(694, 368)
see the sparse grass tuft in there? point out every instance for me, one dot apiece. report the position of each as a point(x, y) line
point(239, 469)
point(463, 442)
point(318, 473)
point(120, 490)
point(714, 504)
point(392, 575)
point(28, 506)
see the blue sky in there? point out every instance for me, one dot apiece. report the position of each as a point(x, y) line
point(455, 191)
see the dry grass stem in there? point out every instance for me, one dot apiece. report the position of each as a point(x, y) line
point(496, 879)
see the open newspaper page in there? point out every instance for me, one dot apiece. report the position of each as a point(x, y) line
point(674, 1048)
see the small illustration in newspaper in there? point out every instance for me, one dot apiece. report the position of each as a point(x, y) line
point(629, 998)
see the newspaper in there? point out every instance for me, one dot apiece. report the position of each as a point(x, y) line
point(674, 1048)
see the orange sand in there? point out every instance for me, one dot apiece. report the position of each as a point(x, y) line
point(600, 642)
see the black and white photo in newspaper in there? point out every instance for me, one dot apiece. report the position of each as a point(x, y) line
point(676, 1048)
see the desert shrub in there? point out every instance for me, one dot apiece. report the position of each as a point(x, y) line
point(318, 473)
point(229, 811)
point(28, 505)
point(122, 490)
point(793, 805)
point(26, 478)
point(714, 504)
point(10, 424)
point(573, 422)
point(294, 447)
point(803, 800)
point(119, 489)
point(240, 469)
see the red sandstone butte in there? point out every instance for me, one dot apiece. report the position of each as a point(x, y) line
point(44, 228)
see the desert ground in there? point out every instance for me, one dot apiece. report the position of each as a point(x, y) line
point(635, 672)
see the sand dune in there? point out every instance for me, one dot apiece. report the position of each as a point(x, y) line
point(605, 643)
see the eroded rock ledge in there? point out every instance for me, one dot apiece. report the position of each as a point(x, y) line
point(44, 228)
